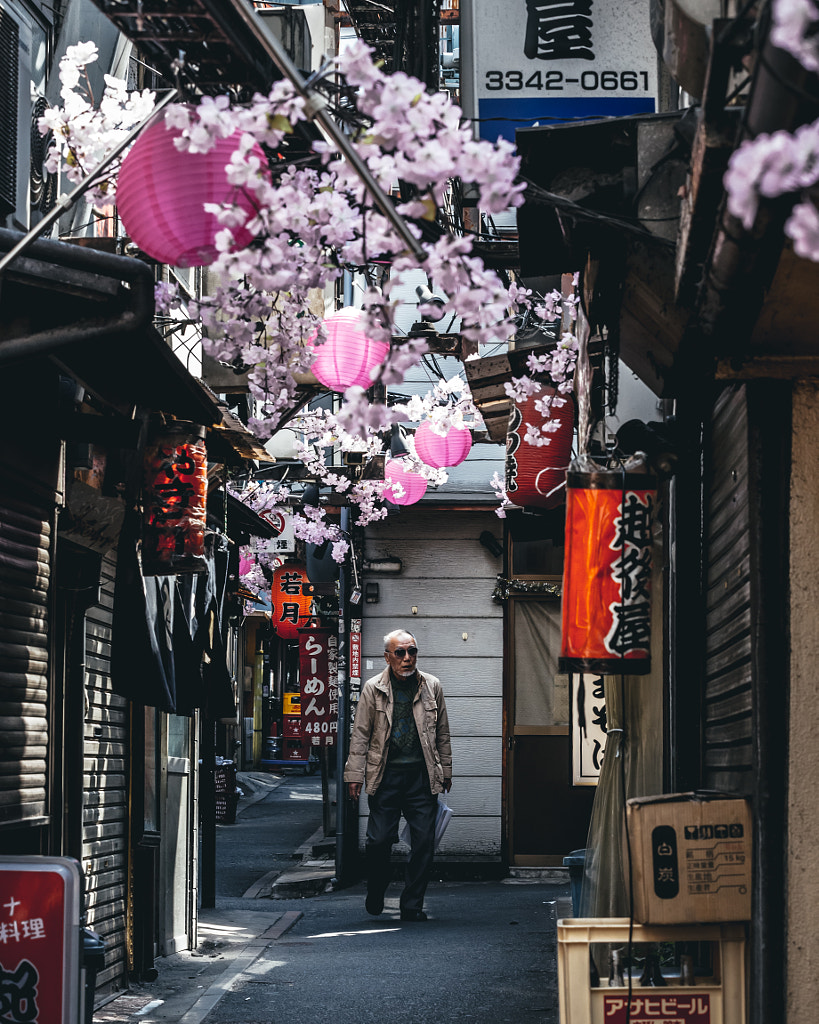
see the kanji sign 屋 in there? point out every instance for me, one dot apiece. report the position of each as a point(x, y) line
point(292, 599)
point(607, 572)
point(318, 679)
point(39, 940)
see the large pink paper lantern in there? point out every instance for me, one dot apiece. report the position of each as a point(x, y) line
point(348, 357)
point(161, 194)
point(414, 484)
point(438, 451)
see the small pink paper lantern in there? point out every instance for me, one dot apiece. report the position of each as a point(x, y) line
point(414, 484)
point(438, 451)
point(348, 356)
point(161, 193)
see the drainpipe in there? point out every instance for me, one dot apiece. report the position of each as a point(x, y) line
point(344, 809)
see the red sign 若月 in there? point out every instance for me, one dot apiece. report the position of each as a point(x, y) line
point(292, 599)
point(658, 1009)
point(39, 940)
point(318, 679)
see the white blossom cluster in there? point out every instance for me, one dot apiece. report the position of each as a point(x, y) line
point(309, 224)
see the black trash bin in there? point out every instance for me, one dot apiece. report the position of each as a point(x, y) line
point(93, 960)
point(575, 862)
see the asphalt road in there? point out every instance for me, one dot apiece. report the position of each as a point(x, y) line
point(266, 835)
point(486, 956)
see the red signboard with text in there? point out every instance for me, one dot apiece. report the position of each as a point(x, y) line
point(658, 1009)
point(318, 677)
point(39, 940)
point(292, 599)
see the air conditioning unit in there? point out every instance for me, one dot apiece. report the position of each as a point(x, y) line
point(26, 191)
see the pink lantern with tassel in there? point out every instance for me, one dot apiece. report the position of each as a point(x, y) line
point(161, 193)
point(439, 451)
point(414, 485)
point(348, 356)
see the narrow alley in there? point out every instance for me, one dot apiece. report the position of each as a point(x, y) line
point(320, 958)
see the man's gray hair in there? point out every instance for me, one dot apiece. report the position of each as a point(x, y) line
point(393, 635)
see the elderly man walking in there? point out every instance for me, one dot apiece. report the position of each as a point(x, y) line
point(400, 749)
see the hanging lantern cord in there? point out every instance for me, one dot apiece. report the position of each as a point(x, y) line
point(65, 204)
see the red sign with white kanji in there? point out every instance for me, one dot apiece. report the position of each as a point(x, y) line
point(318, 679)
point(658, 1009)
point(39, 940)
point(292, 599)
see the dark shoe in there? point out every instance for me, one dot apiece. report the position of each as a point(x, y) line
point(374, 904)
point(413, 915)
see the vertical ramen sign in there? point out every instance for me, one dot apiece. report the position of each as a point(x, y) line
point(318, 675)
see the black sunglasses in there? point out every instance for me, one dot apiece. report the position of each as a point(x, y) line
point(399, 652)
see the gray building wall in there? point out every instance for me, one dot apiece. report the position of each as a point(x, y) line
point(443, 596)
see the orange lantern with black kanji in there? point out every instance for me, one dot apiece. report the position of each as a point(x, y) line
point(292, 600)
point(535, 474)
point(174, 501)
point(607, 572)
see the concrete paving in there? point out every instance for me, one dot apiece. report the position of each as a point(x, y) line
point(486, 956)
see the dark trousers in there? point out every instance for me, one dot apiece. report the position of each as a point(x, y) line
point(407, 793)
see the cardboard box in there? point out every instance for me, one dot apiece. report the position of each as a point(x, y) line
point(691, 858)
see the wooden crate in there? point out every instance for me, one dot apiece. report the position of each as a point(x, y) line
point(717, 999)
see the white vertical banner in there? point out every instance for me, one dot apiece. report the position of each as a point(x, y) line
point(588, 727)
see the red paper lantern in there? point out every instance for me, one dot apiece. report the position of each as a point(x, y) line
point(292, 598)
point(439, 451)
point(535, 473)
point(607, 573)
point(348, 357)
point(414, 485)
point(161, 194)
point(174, 501)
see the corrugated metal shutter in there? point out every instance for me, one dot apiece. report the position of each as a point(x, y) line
point(9, 60)
point(105, 797)
point(728, 712)
point(25, 571)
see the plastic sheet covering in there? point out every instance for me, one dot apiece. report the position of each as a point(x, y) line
point(633, 705)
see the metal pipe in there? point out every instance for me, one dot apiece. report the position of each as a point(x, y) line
point(342, 811)
point(65, 204)
point(315, 110)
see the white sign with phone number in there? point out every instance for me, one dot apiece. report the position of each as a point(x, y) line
point(557, 60)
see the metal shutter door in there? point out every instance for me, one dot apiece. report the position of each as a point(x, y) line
point(728, 711)
point(25, 570)
point(105, 793)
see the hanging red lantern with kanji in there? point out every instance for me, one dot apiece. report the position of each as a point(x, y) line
point(535, 474)
point(292, 599)
point(174, 501)
point(607, 571)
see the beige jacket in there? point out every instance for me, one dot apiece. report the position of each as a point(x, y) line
point(370, 739)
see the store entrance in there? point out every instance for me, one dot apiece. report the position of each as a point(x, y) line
point(547, 817)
